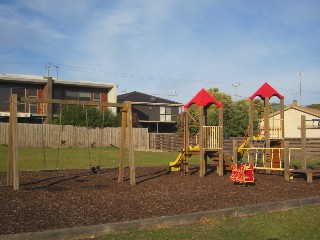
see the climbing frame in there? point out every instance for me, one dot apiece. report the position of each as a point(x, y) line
point(210, 137)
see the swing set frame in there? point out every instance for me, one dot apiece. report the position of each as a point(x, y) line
point(126, 135)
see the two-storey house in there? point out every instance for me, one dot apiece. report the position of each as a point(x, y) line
point(156, 114)
point(48, 88)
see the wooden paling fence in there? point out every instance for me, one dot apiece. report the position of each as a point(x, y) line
point(37, 135)
point(312, 147)
point(165, 141)
point(174, 142)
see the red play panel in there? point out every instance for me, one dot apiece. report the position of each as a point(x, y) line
point(266, 91)
point(203, 98)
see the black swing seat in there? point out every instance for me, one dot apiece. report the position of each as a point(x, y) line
point(95, 170)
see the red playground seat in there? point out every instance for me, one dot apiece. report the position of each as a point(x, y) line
point(242, 175)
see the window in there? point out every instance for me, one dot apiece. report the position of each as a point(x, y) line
point(33, 107)
point(4, 98)
point(21, 92)
point(33, 93)
point(76, 95)
point(71, 95)
point(96, 97)
point(165, 114)
point(84, 96)
point(58, 93)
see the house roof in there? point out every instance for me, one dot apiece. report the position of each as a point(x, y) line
point(23, 78)
point(203, 98)
point(33, 79)
point(143, 97)
point(311, 111)
point(266, 91)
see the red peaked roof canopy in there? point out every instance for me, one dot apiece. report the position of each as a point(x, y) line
point(266, 91)
point(203, 98)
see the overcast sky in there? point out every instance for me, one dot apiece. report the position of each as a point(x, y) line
point(168, 48)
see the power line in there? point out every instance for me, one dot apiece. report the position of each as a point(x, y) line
point(65, 67)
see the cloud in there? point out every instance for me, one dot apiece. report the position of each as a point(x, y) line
point(25, 32)
point(157, 46)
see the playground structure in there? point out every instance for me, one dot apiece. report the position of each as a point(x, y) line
point(269, 151)
point(265, 151)
point(210, 138)
point(13, 145)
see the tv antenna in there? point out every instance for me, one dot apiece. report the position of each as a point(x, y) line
point(57, 69)
point(48, 69)
point(300, 88)
point(173, 93)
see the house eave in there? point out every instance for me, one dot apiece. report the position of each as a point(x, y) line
point(84, 84)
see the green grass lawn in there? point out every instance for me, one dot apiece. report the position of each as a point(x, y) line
point(301, 223)
point(313, 162)
point(81, 158)
point(66, 158)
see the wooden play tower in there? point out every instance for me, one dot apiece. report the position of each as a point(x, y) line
point(272, 131)
point(210, 138)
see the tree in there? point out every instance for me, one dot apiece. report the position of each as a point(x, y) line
point(86, 117)
point(314, 106)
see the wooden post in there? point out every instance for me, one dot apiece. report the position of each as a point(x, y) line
point(251, 119)
point(286, 161)
point(186, 140)
point(205, 155)
point(282, 126)
point(220, 169)
point(13, 164)
point(251, 157)
point(201, 155)
point(10, 146)
point(48, 96)
point(235, 151)
point(123, 142)
point(282, 117)
point(267, 132)
point(266, 122)
point(303, 142)
point(132, 168)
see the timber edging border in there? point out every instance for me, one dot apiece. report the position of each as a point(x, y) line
point(100, 229)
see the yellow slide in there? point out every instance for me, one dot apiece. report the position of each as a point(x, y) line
point(245, 144)
point(175, 165)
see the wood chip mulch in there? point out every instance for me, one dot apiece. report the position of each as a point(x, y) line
point(67, 198)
